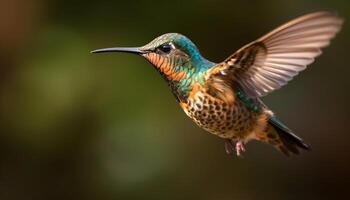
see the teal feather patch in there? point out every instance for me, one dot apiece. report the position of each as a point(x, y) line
point(248, 102)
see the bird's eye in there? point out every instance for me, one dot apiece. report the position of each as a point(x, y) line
point(165, 48)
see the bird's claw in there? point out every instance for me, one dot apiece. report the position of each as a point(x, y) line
point(229, 147)
point(234, 146)
point(239, 148)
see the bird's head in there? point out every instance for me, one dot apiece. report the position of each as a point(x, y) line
point(172, 54)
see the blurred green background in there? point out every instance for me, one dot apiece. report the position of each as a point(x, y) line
point(80, 126)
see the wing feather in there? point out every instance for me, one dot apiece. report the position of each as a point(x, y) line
point(274, 59)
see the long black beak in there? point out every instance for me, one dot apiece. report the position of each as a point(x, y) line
point(135, 50)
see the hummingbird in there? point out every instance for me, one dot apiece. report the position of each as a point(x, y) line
point(225, 98)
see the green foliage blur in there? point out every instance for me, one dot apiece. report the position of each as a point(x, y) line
point(79, 126)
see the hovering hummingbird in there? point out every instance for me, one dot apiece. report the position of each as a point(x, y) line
point(224, 98)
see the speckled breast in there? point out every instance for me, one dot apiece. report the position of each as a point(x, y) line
point(227, 120)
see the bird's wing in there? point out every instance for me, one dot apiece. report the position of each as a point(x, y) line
point(274, 59)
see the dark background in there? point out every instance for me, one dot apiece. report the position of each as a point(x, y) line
point(80, 126)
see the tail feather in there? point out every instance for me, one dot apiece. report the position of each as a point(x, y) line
point(291, 142)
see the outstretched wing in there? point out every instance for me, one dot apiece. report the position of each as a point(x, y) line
point(274, 59)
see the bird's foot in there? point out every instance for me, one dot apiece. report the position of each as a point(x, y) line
point(234, 146)
point(229, 147)
point(239, 147)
